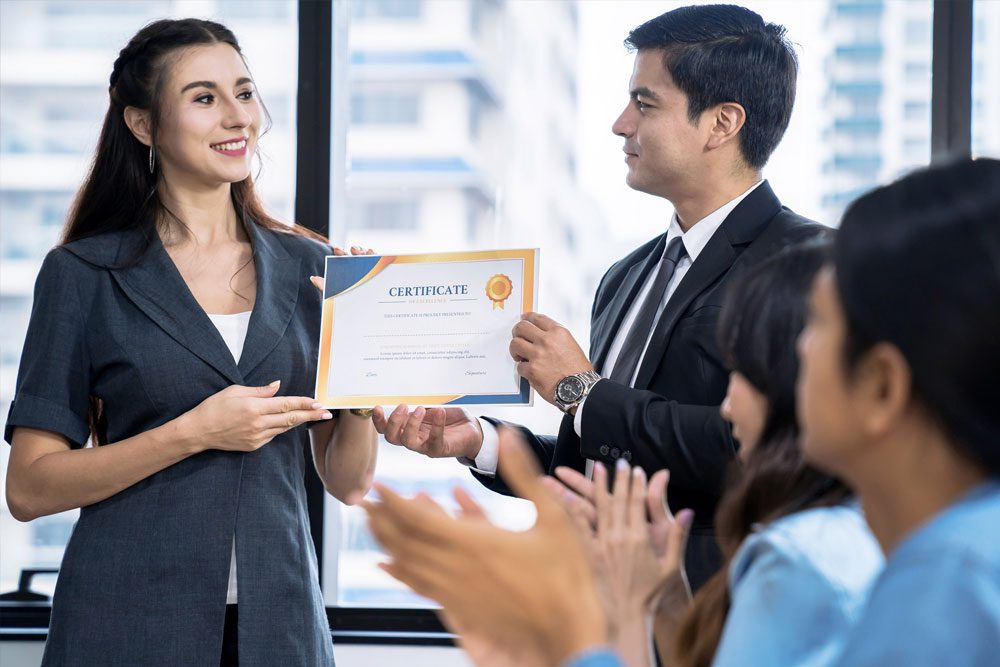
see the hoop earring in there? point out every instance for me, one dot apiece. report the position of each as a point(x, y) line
point(152, 160)
point(260, 163)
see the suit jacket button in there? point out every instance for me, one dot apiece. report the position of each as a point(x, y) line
point(615, 452)
point(604, 450)
point(627, 455)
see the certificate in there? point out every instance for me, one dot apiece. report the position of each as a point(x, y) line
point(424, 329)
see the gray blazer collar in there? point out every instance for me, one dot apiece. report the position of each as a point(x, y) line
point(155, 286)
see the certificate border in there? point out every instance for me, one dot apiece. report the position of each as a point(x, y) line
point(523, 396)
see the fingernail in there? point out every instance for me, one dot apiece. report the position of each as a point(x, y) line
point(621, 464)
point(276, 383)
point(316, 406)
point(685, 517)
point(327, 415)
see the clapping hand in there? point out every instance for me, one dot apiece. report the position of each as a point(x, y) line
point(531, 591)
point(633, 531)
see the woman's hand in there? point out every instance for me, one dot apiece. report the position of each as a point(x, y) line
point(243, 419)
point(638, 557)
point(532, 591)
point(355, 250)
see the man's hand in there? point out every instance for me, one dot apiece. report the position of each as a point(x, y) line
point(434, 432)
point(546, 352)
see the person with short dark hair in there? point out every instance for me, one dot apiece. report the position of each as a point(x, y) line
point(897, 396)
point(710, 97)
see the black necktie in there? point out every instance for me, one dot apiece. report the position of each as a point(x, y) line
point(638, 335)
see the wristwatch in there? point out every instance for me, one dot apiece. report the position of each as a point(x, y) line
point(572, 389)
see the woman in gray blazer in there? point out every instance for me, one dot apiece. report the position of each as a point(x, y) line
point(175, 328)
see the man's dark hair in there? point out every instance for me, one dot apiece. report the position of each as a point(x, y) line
point(725, 53)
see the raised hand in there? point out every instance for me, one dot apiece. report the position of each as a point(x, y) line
point(433, 432)
point(545, 352)
point(243, 419)
point(639, 558)
point(355, 250)
point(532, 589)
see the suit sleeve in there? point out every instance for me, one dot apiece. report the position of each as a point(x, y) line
point(53, 382)
point(543, 447)
point(692, 441)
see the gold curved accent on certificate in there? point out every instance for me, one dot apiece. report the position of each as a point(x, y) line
point(498, 289)
point(325, 337)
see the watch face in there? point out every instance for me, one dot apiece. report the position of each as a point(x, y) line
point(569, 389)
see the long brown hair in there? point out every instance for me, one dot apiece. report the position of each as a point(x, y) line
point(120, 190)
point(761, 319)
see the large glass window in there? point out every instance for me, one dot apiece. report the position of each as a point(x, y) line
point(468, 124)
point(510, 145)
point(55, 59)
point(986, 78)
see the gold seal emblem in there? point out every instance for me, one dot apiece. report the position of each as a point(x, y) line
point(498, 289)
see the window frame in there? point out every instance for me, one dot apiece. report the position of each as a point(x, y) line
point(951, 137)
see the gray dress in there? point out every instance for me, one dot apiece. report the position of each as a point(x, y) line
point(144, 577)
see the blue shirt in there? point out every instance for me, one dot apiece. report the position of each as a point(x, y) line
point(938, 600)
point(596, 658)
point(797, 588)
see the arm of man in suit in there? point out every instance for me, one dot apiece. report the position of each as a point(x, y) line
point(455, 433)
point(542, 446)
point(694, 442)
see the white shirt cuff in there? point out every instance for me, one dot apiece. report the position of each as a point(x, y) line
point(578, 418)
point(489, 453)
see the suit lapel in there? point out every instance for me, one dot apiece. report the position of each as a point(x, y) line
point(606, 325)
point(278, 284)
point(713, 261)
point(156, 287)
point(740, 227)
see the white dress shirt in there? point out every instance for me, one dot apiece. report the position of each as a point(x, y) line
point(233, 329)
point(694, 239)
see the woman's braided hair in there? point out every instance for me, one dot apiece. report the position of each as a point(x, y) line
point(139, 70)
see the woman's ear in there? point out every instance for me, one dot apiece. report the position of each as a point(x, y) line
point(138, 122)
point(888, 387)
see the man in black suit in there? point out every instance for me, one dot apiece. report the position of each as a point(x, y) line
point(711, 94)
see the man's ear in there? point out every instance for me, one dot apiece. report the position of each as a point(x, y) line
point(138, 122)
point(727, 120)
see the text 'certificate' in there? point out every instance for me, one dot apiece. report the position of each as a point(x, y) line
point(429, 329)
